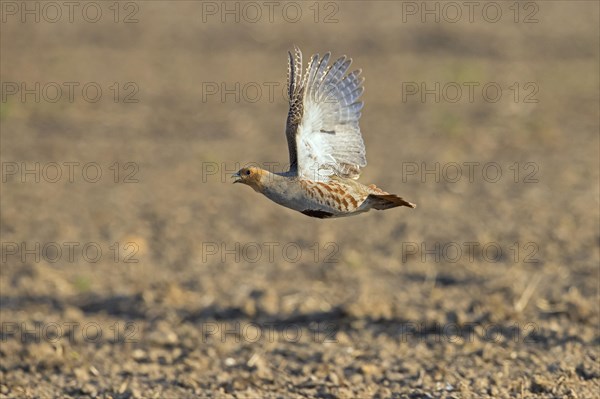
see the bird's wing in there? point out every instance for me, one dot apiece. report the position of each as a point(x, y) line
point(322, 127)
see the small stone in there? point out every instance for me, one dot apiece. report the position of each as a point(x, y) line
point(89, 389)
point(139, 354)
point(333, 378)
point(123, 386)
point(369, 369)
point(230, 362)
point(81, 374)
point(356, 379)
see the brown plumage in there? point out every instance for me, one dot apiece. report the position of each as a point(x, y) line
point(325, 145)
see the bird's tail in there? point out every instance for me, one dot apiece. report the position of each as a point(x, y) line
point(387, 201)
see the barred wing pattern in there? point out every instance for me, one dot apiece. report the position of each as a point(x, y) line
point(295, 97)
point(322, 128)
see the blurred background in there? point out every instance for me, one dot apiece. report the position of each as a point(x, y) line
point(131, 267)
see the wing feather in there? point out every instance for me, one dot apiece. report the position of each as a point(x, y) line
point(323, 133)
point(294, 81)
point(328, 139)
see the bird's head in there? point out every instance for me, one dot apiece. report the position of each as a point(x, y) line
point(254, 177)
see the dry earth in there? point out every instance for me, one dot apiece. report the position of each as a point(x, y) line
point(490, 288)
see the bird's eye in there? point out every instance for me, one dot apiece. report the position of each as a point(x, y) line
point(247, 172)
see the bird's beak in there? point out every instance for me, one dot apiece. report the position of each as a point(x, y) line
point(237, 178)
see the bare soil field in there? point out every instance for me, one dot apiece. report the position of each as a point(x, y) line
point(132, 267)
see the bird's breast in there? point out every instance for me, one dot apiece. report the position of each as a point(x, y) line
point(302, 195)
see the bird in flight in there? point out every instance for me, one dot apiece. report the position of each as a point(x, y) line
point(326, 148)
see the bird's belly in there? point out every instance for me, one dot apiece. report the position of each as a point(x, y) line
point(300, 200)
point(294, 199)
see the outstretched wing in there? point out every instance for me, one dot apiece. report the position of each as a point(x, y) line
point(322, 128)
